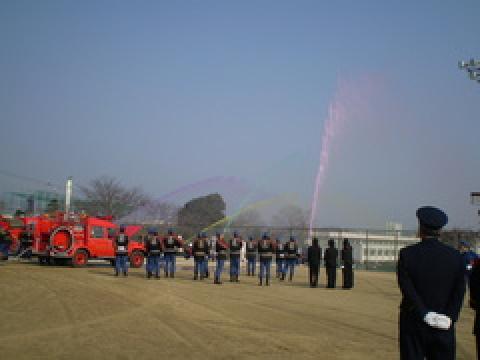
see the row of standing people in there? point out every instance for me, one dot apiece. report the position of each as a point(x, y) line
point(154, 247)
point(286, 257)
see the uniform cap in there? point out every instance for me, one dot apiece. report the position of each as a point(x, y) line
point(432, 217)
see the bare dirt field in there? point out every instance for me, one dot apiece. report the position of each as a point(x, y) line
point(66, 313)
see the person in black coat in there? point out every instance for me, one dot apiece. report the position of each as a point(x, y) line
point(331, 256)
point(314, 256)
point(347, 263)
point(475, 301)
point(431, 279)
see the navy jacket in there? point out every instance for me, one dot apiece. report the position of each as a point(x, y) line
point(314, 256)
point(431, 278)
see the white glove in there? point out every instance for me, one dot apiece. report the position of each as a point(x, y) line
point(431, 319)
point(469, 267)
point(438, 321)
point(443, 322)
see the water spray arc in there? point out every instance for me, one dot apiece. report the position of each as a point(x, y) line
point(255, 205)
point(329, 130)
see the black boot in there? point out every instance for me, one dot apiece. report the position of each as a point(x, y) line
point(260, 282)
point(157, 276)
point(149, 274)
point(283, 277)
point(291, 277)
point(172, 275)
point(231, 278)
point(267, 280)
point(125, 273)
point(166, 274)
point(195, 276)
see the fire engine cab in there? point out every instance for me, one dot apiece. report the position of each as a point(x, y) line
point(79, 238)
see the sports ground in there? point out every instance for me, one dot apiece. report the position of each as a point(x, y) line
point(67, 313)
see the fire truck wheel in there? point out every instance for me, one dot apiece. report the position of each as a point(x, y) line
point(80, 258)
point(136, 259)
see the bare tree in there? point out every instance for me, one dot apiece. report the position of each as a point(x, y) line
point(106, 196)
point(249, 217)
point(290, 216)
point(156, 211)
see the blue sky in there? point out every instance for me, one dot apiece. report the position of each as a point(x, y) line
point(162, 94)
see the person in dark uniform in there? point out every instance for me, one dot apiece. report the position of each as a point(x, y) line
point(251, 249)
point(121, 252)
point(170, 246)
point(468, 256)
point(26, 242)
point(5, 243)
point(291, 254)
point(200, 249)
point(475, 301)
point(431, 279)
point(153, 247)
point(221, 248)
point(347, 265)
point(331, 256)
point(235, 247)
point(314, 257)
point(280, 259)
point(265, 252)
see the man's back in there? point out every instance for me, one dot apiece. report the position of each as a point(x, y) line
point(314, 255)
point(430, 276)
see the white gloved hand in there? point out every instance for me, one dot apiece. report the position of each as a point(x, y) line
point(437, 321)
point(431, 319)
point(443, 322)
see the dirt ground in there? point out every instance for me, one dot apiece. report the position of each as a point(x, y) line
point(66, 313)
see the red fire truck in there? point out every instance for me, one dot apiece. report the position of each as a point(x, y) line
point(79, 238)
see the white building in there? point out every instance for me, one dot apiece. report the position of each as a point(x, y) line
point(378, 246)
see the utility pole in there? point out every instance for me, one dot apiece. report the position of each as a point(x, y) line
point(472, 67)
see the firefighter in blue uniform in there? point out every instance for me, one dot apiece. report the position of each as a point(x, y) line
point(26, 242)
point(221, 248)
point(291, 253)
point(431, 279)
point(199, 250)
point(265, 252)
point(469, 257)
point(5, 243)
point(235, 247)
point(280, 259)
point(170, 245)
point(121, 252)
point(153, 247)
point(251, 250)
